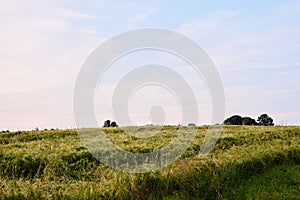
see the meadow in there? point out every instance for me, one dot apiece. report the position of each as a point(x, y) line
point(247, 162)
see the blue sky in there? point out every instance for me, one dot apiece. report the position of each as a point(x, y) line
point(255, 46)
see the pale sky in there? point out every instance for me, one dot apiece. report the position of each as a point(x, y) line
point(255, 46)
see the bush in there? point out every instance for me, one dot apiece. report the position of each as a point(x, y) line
point(265, 120)
point(249, 121)
point(107, 123)
point(234, 120)
point(113, 124)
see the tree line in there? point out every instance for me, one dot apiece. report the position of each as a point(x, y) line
point(107, 123)
point(263, 120)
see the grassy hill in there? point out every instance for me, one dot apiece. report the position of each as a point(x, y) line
point(248, 162)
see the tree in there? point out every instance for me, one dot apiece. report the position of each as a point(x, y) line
point(113, 124)
point(234, 120)
point(248, 121)
point(106, 123)
point(265, 120)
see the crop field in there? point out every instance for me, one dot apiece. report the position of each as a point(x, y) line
point(247, 162)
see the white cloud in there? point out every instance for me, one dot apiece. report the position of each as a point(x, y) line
point(209, 22)
point(258, 65)
point(44, 49)
point(44, 44)
point(234, 42)
point(140, 17)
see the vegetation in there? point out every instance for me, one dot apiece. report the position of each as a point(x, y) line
point(107, 123)
point(248, 121)
point(234, 120)
point(263, 119)
point(248, 162)
point(191, 124)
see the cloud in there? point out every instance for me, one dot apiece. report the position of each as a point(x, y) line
point(258, 64)
point(46, 42)
point(140, 17)
point(209, 22)
point(45, 46)
point(234, 41)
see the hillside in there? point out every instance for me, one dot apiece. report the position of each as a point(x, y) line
point(248, 162)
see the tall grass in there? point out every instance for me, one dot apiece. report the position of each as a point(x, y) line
point(55, 165)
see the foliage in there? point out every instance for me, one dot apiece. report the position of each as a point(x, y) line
point(113, 124)
point(107, 124)
point(265, 120)
point(234, 120)
point(247, 162)
point(248, 121)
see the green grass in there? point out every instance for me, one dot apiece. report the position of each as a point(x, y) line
point(248, 162)
point(281, 182)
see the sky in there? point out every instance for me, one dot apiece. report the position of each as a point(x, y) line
point(254, 45)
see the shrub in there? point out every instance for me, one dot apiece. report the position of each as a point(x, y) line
point(234, 120)
point(106, 123)
point(249, 121)
point(265, 120)
point(113, 124)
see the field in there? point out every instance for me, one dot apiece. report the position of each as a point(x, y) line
point(248, 162)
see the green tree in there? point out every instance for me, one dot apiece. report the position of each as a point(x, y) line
point(113, 124)
point(106, 123)
point(265, 120)
point(248, 121)
point(234, 120)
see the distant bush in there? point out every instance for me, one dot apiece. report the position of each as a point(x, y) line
point(249, 121)
point(234, 120)
point(265, 120)
point(107, 123)
point(113, 124)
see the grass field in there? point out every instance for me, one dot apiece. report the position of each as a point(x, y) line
point(248, 162)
